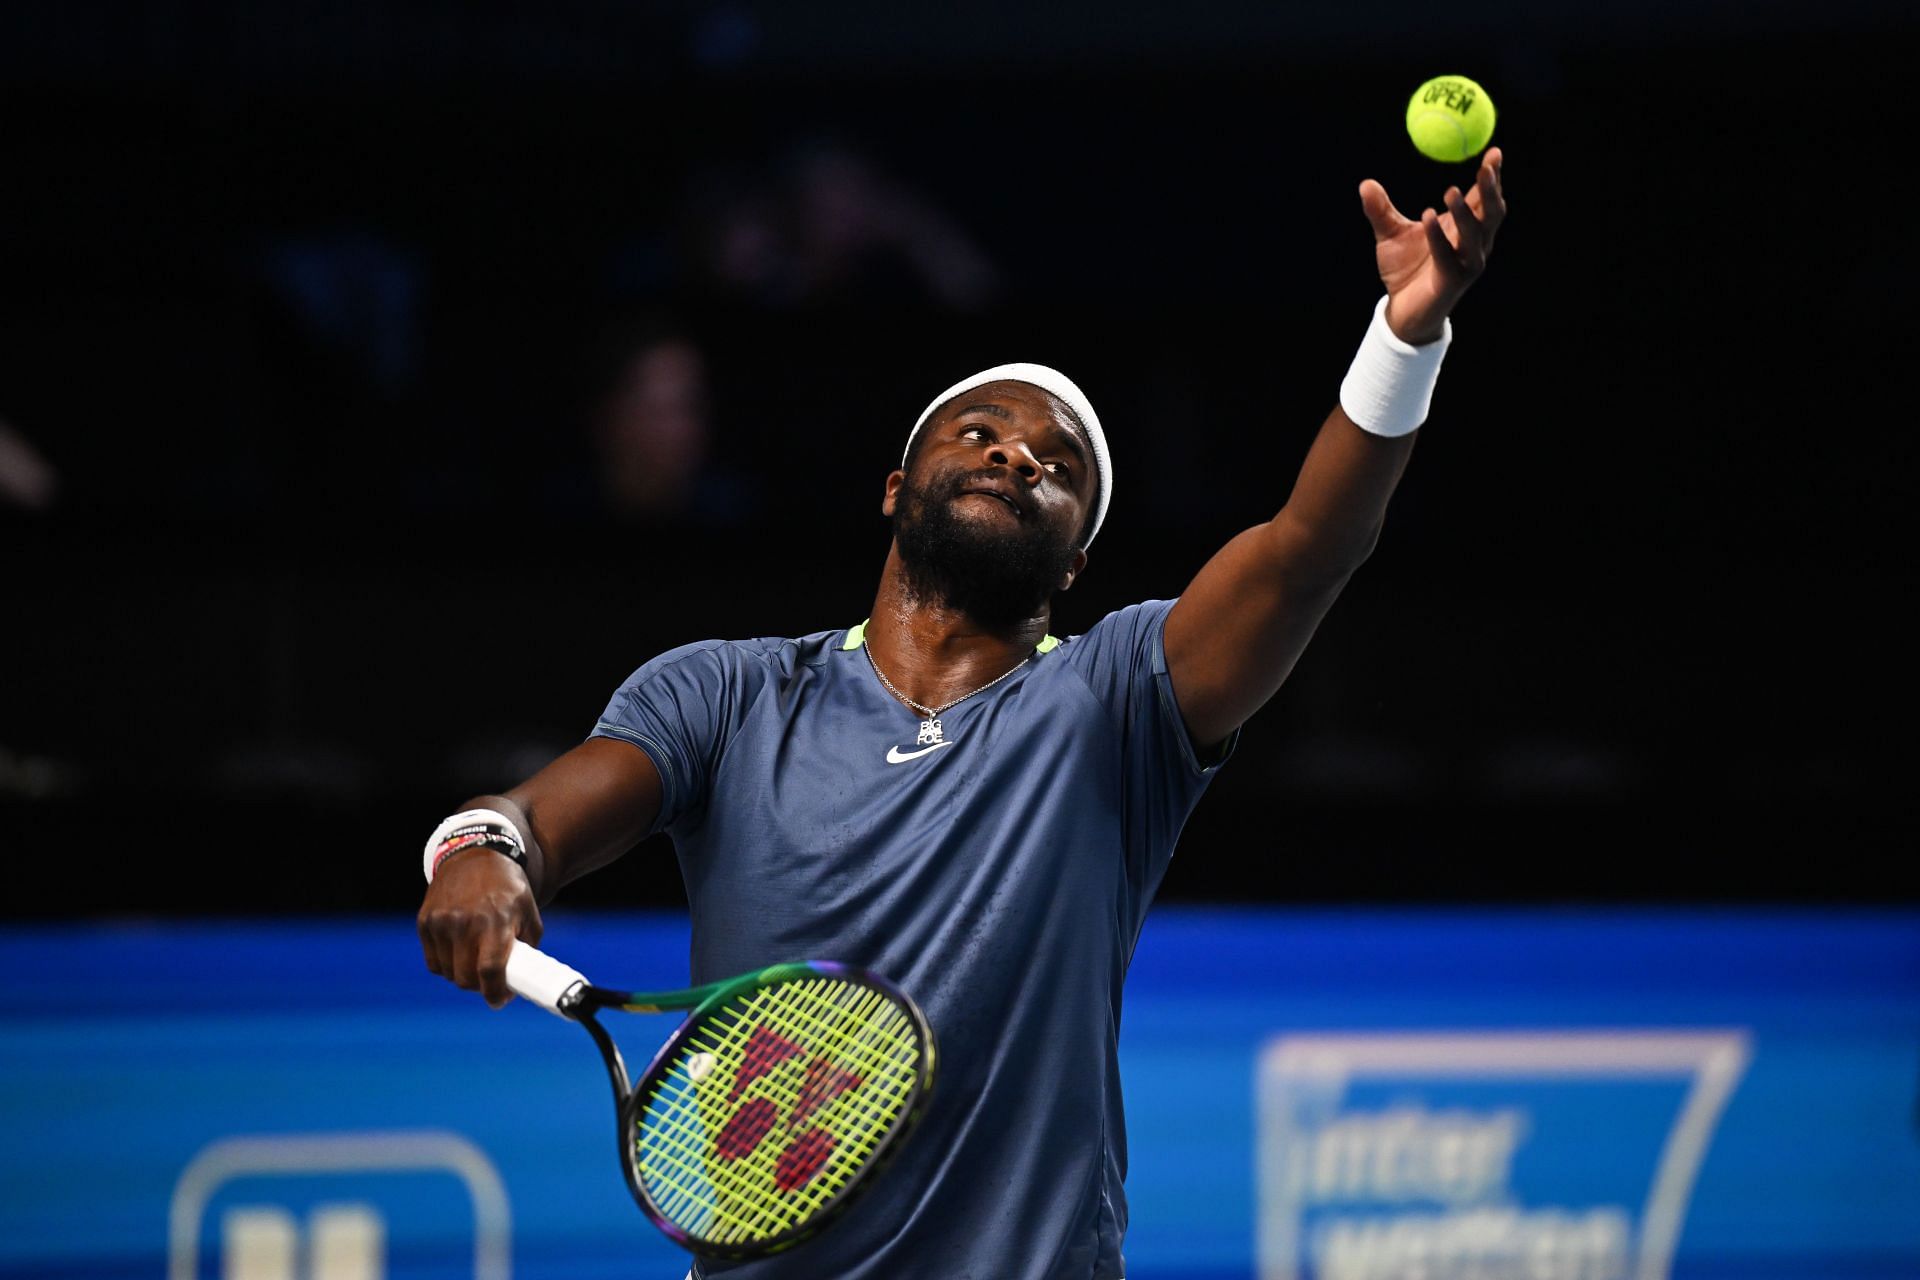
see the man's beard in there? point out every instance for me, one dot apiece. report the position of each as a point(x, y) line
point(996, 577)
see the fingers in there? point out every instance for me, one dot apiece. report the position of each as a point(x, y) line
point(490, 962)
point(474, 910)
point(1456, 240)
point(471, 952)
point(1468, 235)
point(1487, 199)
point(490, 967)
point(1386, 220)
point(430, 946)
point(1446, 259)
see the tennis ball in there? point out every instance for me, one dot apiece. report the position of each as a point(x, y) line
point(1450, 118)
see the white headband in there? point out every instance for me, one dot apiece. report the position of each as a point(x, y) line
point(1054, 383)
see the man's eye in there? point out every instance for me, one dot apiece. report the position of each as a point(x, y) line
point(969, 432)
point(1060, 469)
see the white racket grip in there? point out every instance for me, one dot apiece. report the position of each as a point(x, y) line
point(537, 976)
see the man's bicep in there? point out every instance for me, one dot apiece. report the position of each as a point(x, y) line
point(588, 807)
point(1238, 629)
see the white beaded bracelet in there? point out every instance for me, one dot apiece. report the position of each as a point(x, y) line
point(1390, 385)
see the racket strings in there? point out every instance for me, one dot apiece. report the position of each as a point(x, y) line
point(859, 1131)
point(858, 1123)
point(717, 1214)
point(802, 1081)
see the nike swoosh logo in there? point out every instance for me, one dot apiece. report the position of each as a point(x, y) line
point(896, 756)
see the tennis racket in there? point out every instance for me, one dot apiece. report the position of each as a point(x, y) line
point(774, 1104)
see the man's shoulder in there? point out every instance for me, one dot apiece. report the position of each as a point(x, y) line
point(1119, 653)
point(734, 658)
point(1129, 624)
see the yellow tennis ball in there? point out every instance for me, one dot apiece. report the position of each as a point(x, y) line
point(1450, 118)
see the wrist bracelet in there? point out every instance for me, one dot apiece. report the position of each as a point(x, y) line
point(491, 838)
point(1390, 385)
point(473, 828)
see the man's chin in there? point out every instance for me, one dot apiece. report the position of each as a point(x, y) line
point(975, 553)
point(985, 545)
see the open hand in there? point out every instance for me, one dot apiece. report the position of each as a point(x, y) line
point(1426, 265)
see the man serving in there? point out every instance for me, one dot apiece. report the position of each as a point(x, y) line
point(949, 795)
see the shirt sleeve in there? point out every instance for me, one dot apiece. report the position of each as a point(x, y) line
point(1123, 660)
point(675, 709)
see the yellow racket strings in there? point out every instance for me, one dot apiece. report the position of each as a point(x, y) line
point(850, 1019)
point(738, 1200)
point(832, 1033)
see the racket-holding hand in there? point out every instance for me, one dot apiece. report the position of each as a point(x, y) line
point(477, 904)
point(1429, 263)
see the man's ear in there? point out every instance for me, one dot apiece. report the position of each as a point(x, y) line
point(895, 479)
point(1078, 567)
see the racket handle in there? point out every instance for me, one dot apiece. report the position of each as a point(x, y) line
point(538, 977)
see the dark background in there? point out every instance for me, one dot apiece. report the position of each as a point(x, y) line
point(307, 311)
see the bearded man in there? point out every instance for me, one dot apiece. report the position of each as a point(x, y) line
point(947, 794)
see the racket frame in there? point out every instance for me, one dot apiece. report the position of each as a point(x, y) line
point(584, 1000)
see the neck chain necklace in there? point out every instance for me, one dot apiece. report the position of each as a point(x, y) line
point(931, 712)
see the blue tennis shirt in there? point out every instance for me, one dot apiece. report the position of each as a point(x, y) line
point(996, 864)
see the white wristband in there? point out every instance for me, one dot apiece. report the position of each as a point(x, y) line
point(458, 820)
point(1390, 385)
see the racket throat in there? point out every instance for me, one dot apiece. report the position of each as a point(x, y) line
point(623, 1101)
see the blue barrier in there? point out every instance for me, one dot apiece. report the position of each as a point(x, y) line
point(1361, 1095)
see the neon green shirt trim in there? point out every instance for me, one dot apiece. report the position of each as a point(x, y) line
point(857, 636)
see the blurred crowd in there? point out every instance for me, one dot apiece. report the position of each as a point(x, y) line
point(294, 378)
point(737, 356)
point(391, 373)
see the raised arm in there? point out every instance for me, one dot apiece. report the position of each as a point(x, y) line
point(1238, 629)
point(580, 812)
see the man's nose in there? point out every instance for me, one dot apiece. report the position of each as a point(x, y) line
point(1016, 457)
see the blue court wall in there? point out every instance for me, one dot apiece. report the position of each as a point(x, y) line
point(1311, 1093)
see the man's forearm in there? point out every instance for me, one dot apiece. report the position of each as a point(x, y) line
point(1333, 517)
point(582, 811)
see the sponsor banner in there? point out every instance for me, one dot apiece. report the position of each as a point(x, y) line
point(1311, 1095)
point(1551, 1153)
